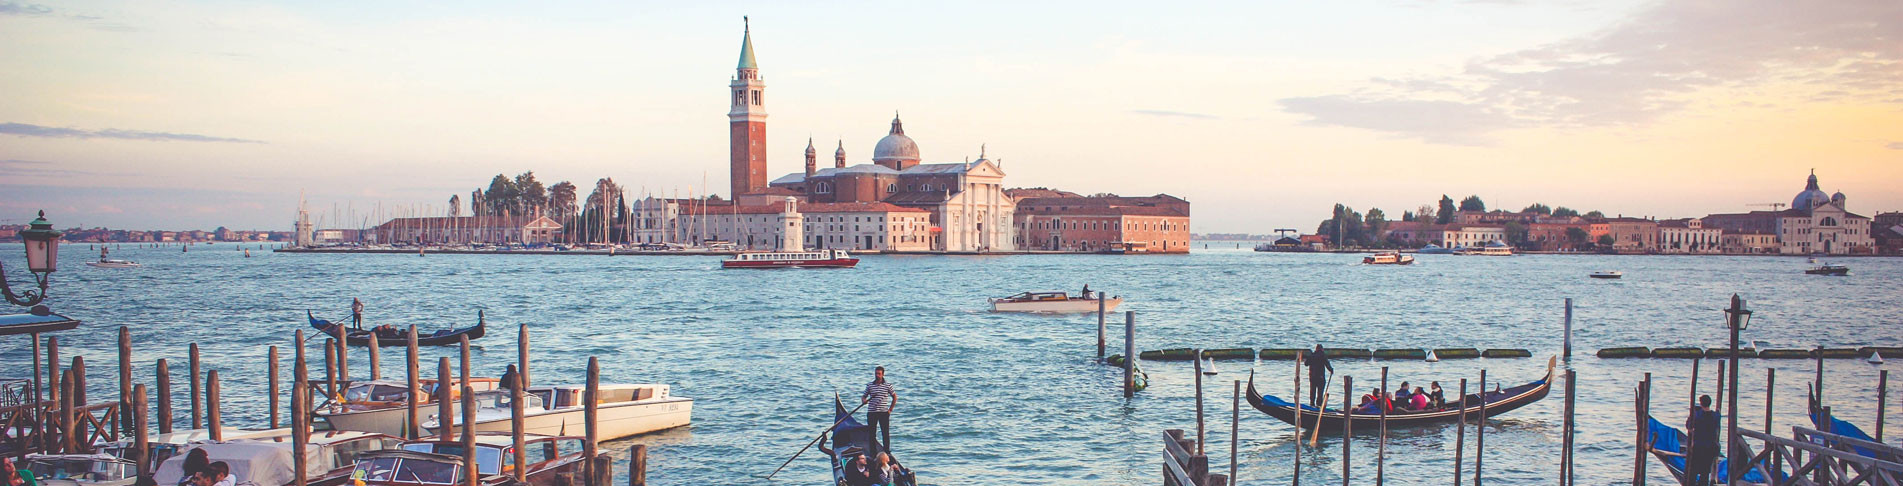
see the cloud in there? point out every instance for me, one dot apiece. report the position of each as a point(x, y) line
point(1894, 146)
point(1176, 114)
point(1638, 70)
point(37, 168)
point(25, 130)
point(24, 9)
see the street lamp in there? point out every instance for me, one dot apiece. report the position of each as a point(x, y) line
point(42, 257)
point(1736, 317)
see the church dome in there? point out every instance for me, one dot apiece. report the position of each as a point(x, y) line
point(1811, 198)
point(1838, 199)
point(896, 150)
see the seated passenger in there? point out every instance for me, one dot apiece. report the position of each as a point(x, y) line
point(857, 473)
point(1369, 402)
point(1434, 396)
point(1403, 395)
point(1419, 402)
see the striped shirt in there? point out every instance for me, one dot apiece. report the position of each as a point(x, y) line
point(879, 397)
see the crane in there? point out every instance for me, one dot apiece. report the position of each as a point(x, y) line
point(1774, 206)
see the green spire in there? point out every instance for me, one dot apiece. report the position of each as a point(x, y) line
point(746, 47)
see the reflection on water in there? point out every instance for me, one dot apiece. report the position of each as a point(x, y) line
point(993, 398)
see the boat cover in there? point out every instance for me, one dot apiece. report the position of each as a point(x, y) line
point(1846, 429)
point(1670, 439)
point(252, 462)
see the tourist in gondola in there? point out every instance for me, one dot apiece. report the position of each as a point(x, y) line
point(1419, 402)
point(1404, 397)
point(1702, 427)
point(1086, 294)
point(887, 471)
point(858, 473)
point(1435, 395)
point(879, 399)
point(1373, 402)
point(1318, 370)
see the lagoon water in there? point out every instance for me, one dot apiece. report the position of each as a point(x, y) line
point(1014, 399)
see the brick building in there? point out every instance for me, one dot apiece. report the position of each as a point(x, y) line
point(1060, 221)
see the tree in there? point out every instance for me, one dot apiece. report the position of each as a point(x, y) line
point(530, 196)
point(1516, 234)
point(1424, 213)
point(501, 195)
point(1579, 237)
point(1407, 216)
point(1345, 227)
point(1473, 203)
point(1606, 240)
point(478, 203)
point(561, 200)
point(1446, 213)
point(1565, 212)
point(455, 205)
point(1595, 214)
point(1376, 224)
point(1538, 208)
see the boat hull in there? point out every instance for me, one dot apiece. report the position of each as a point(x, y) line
point(112, 265)
point(383, 421)
point(1333, 420)
point(829, 263)
point(1054, 307)
point(615, 420)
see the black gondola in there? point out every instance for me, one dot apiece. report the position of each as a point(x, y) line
point(1498, 402)
point(401, 337)
point(850, 439)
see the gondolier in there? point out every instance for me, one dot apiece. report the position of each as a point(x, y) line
point(879, 398)
point(1318, 370)
point(356, 312)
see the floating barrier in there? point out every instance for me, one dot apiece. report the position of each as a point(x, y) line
point(1457, 353)
point(1229, 353)
point(1725, 353)
point(1349, 353)
point(1114, 360)
point(1281, 354)
point(1410, 354)
point(1678, 353)
point(1784, 354)
point(1175, 354)
point(1841, 353)
point(1506, 353)
point(1868, 351)
point(1631, 352)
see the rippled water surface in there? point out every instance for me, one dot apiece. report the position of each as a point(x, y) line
point(1013, 399)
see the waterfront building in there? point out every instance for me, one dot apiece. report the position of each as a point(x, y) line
point(873, 226)
point(1061, 221)
point(1545, 236)
point(1748, 243)
point(444, 230)
point(1886, 229)
point(1689, 236)
point(1472, 235)
point(1413, 233)
point(1633, 235)
point(1815, 223)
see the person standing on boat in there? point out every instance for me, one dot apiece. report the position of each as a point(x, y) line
point(356, 312)
point(1318, 370)
point(1702, 427)
point(1086, 294)
point(879, 398)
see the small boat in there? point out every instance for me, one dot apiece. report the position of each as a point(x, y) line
point(1608, 274)
point(1828, 269)
point(80, 469)
point(1053, 302)
point(791, 259)
point(1388, 258)
point(621, 411)
point(109, 263)
point(851, 439)
point(1497, 402)
point(435, 462)
point(268, 461)
point(1433, 249)
point(401, 337)
point(381, 406)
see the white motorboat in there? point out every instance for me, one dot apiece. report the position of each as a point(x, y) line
point(1052, 302)
point(81, 469)
point(1608, 274)
point(380, 407)
point(1433, 249)
point(1388, 258)
point(621, 411)
point(109, 263)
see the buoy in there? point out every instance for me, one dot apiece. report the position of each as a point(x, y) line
point(1875, 358)
point(1209, 366)
point(1431, 358)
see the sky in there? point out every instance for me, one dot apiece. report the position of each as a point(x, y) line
point(178, 115)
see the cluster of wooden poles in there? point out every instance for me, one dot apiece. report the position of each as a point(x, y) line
point(1192, 477)
point(73, 427)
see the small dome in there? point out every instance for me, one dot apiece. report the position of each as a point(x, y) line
point(842, 149)
point(809, 148)
point(895, 149)
point(1838, 199)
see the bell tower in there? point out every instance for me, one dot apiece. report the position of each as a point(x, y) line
point(746, 120)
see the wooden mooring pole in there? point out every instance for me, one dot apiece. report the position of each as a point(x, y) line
point(412, 368)
point(1883, 395)
point(1381, 452)
point(1641, 404)
point(515, 427)
point(141, 443)
point(77, 387)
point(376, 361)
point(1480, 430)
point(1566, 454)
point(53, 394)
point(1569, 328)
point(125, 380)
point(300, 410)
point(1298, 416)
point(211, 407)
point(197, 410)
point(330, 367)
point(522, 355)
point(591, 429)
point(165, 397)
point(638, 465)
point(469, 434)
point(1235, 422)
point(343, 355)
point(1199, 402)
point(272, 357)
point(1347, 425)
point(444, 417)
point(1100, 327)
point(1129, 354)
point(1460, 433)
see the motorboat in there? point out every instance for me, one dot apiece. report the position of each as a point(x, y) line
point(329, 458)
point(81, 469)
point(110, 263)
point(382, 406)
point(1494, 248)
point(1053, 303)
point(791, 259)
point(435, 462)
point(1388, 258)
point(1433, 249)
point(621, 411)
point(1828, 269)
point(1607, 274)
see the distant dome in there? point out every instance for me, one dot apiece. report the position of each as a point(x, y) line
point(896, 149)
point(1811, 198)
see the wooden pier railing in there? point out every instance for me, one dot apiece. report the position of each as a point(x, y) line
point(1822, 458)
point(1182, 467)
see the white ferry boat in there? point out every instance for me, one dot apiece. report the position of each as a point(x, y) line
point(791, 259)
point(1388, 258)
point(1492, 249)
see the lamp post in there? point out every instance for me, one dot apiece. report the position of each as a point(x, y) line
point(1737, 318)
point(42, 257)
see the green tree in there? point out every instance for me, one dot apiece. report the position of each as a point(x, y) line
point(530, 196)
point(1565, 212)
point(1595, 214)
point(1579, 237)
point(1605, 240)
point(1473, 203)
point(455, 205)
point(501, 195)
point(1538, 208)
point(1345, 228)
point(1516, 234)
point(1375, 226)
point(1407, 216)
point(1446, 213)
point(561, 201)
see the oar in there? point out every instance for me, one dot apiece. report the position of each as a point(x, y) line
point(809, 445)
point(1315, 437)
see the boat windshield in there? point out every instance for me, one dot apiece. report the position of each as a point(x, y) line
point(501, 401)
point(488, 459)
point(375, 392)
point(407, 470)
point(79, 469)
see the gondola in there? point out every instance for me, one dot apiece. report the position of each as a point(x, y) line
point(850, 439)
point(401, 337)
point(1668, 444)
point(1498, 402)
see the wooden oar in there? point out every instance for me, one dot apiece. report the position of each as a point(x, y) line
point(1315, 437)
point(809, 445)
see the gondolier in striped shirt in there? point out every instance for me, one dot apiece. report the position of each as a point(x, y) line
point(879, 399)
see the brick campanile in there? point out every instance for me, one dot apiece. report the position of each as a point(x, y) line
point(746, 121)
